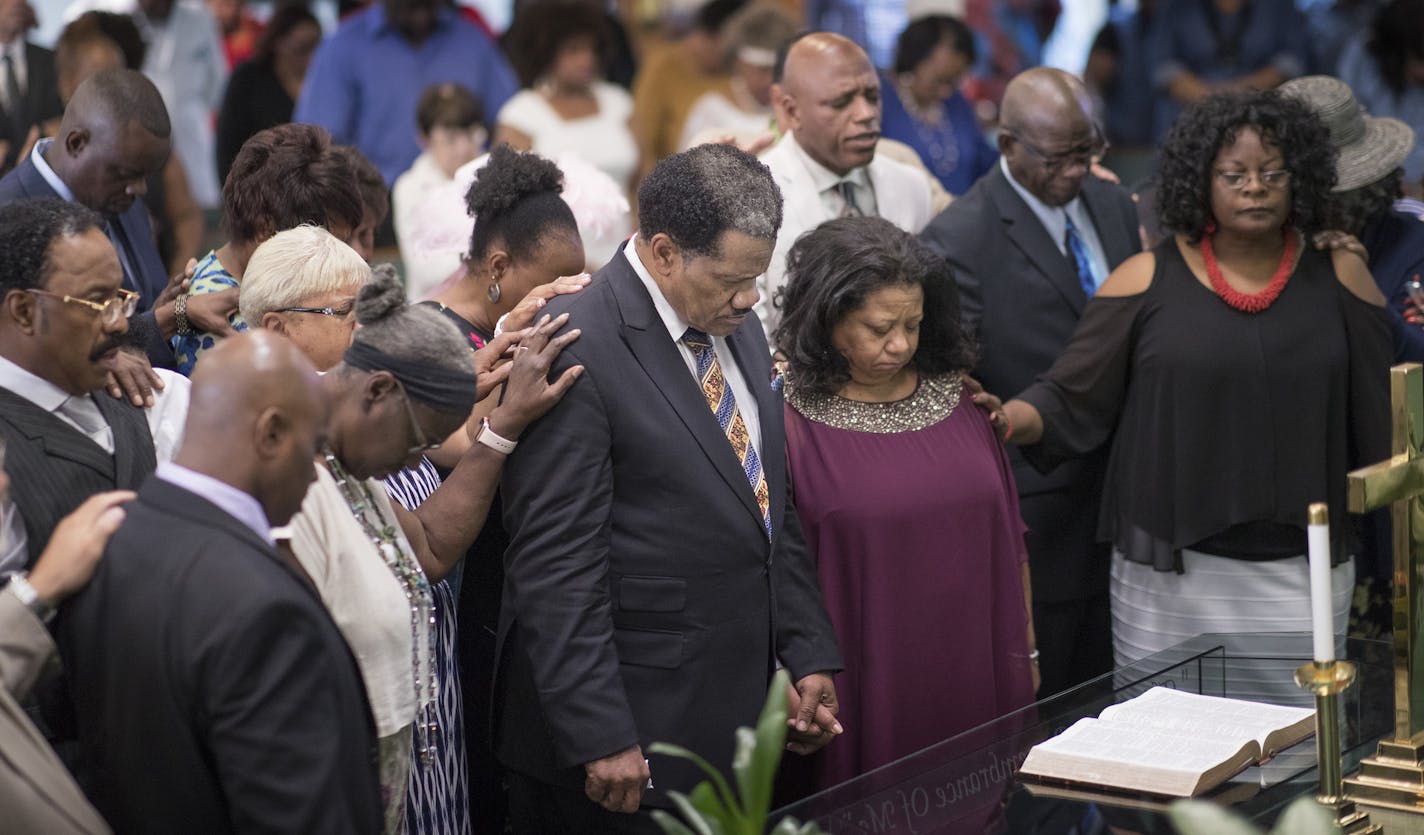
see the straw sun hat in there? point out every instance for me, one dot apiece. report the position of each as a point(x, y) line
point(1368, 147)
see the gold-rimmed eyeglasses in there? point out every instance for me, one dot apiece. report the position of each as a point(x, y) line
point(119, 306)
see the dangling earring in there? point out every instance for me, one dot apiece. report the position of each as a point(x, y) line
point(494, 292)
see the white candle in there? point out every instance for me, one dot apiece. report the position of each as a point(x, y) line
point(1322, 610)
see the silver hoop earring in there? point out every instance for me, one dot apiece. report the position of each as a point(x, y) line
point(494, 292)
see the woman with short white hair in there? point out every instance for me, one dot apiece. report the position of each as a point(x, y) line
point(302, 283)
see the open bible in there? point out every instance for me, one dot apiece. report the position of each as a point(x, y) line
point(1168, 742)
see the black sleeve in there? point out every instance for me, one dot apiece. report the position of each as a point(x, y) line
point(558, 505)
point(1082, 394)
point(1368, 335)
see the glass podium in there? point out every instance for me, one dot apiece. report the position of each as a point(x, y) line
point(968, 783)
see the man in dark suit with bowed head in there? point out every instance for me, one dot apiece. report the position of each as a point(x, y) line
point(114, 134)
point(1029, 244)
point(213, 693)
point(29, 91)
point(656, 572)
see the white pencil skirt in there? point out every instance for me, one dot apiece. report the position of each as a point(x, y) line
point(1154, 610)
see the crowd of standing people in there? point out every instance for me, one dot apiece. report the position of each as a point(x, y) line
point(544, 392)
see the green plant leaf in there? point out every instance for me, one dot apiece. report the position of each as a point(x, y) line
point(698, 817)
point(758, 754)
point(724, 791)
point(705, 800)
point(670, 824)
point(1305, 816)
point(1200, 817)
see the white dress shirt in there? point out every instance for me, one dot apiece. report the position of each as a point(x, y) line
point(827, 184)
point(1054, 222)
point(165, 421)
point(677, 326)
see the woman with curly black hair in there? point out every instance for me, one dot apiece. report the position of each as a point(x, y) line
point(559, 48)
point(1238, 374)
point(905, 496)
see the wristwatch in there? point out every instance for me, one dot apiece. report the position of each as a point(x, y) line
point(21, 588)
point(487, 436)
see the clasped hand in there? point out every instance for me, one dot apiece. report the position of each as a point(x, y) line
point(811, 709)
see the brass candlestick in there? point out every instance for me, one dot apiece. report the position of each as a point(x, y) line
point(1327, 680)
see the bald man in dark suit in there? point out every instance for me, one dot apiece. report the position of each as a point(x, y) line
point(1028, 244)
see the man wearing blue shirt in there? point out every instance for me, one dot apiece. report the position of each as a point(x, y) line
point(365, 79)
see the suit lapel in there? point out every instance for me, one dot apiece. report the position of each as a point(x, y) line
point(1027, 233)
point(58, 438)
point(33, 181)
point(798, 188)
point(1117, 246)
point(124, 453)
point(660, 359)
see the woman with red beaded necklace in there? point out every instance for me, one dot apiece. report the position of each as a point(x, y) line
point(1238, 373)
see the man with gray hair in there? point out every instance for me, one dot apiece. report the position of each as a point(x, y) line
point(651, 530)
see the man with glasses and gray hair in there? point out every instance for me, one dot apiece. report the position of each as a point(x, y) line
point(1029, 244)
point(63, 316)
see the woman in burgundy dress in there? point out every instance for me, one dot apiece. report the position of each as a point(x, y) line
point(905, 495)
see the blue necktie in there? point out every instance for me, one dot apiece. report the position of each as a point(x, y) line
point(1080, 258)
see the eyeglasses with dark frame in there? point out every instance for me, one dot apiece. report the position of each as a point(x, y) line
point(1055, 163)
point(340, 312)
point(423, 444)
point(1275, 179)
point(119, 306)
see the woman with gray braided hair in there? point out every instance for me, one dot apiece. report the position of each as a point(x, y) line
point(404, 385)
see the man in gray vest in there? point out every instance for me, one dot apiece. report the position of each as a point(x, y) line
point(63, 313)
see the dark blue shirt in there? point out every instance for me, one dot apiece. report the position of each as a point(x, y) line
point(954, 150)
point(365, 81)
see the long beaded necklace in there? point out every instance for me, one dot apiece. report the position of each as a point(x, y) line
point(943, 152)
point(417, 593)
point(1249, 302)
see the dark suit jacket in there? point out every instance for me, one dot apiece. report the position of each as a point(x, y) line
point(26, 182)
point(212, 690)
point(1020, 295)
point(1395, 241)
point(643, 601)
point(40, 103)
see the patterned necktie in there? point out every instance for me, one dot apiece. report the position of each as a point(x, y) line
point(847, 192)
point(84, 412)
point(724, 406)
point(1081, 259)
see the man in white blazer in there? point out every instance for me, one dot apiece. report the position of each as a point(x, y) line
point(827, 98)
